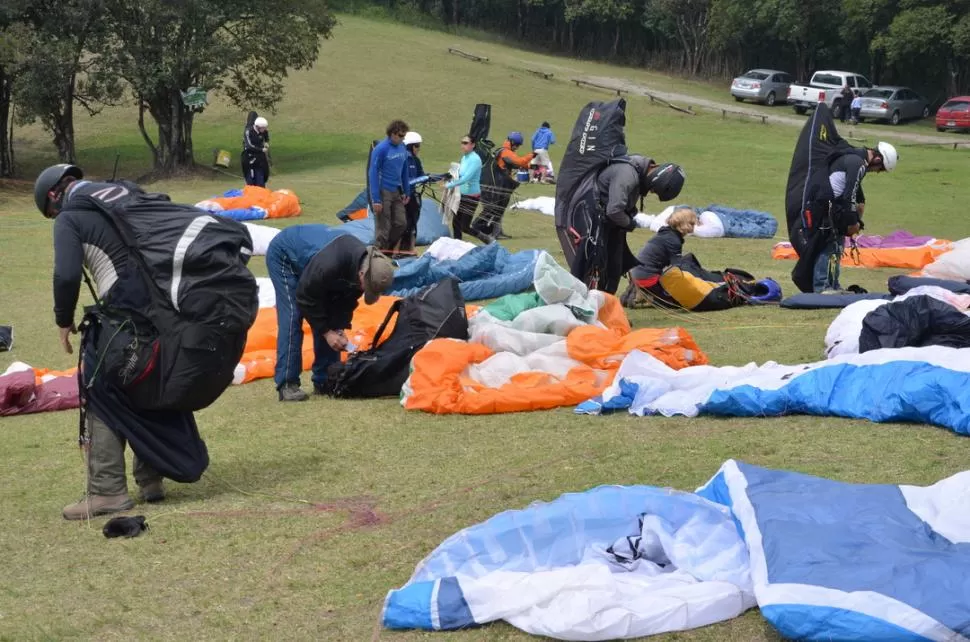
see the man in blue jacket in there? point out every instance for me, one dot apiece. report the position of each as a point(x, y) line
point(387, 180)
point(319, 273)
point(541, 141)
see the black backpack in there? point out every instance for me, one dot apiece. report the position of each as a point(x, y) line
point(173, 327)
point(436, 311)
point(598, 139)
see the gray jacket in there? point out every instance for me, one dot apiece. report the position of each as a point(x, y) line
point(620, 186)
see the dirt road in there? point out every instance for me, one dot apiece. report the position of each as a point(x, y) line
point(785, 117)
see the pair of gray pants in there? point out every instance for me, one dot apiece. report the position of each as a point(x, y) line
point(392, 223)
point(106, 461)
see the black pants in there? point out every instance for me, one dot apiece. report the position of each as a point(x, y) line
point(411, 211)
point(463, 217)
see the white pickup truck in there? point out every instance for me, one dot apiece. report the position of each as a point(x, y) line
point(826, 87)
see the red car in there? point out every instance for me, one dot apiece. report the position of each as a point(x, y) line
point(954, 114)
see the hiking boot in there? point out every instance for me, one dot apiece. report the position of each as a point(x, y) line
point(94, 505)
point(292, 392)
point(152, 492)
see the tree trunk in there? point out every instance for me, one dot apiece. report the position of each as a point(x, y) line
point(801, 64)
point(173, 152)
point(6, 144)
point(521, 16)
point(62, 125)
point(616, 42)
point(951, 77)
point(454, 13)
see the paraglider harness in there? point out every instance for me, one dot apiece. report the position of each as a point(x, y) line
point(594, 248)
point(497, 181)
point(833, 224)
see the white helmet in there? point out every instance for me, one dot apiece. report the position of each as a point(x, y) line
point(889, 155)
point(260, 122)
point(412, 138)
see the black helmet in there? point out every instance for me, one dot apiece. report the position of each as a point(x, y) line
point(667, 180)
point(51, 177)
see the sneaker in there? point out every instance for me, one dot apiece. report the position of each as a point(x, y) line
point(152, 492)
point(94, 505)
point(319, 389)
point(292, 392)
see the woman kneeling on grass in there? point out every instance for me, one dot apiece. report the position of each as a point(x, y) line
point(661, 251)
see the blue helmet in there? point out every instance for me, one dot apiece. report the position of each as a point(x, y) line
point(768, 290)
point(516, 138)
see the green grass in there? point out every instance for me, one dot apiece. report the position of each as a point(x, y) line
point(232, 557)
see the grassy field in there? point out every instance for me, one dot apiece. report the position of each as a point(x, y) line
point(311, 512)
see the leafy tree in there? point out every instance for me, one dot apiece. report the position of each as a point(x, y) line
point(242, 48)
point(13, 34)
point(690, 21)
point(60, 68)
point(804, 26)
point(610, 13)
point(919, 38)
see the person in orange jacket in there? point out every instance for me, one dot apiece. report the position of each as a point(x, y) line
point(507, 158)
point(495, 197)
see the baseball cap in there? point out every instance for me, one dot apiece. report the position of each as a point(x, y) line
point(378, 274)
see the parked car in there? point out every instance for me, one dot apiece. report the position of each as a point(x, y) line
point(893, 104)
point(762, 85)
point(826, 87)
point(954, 114)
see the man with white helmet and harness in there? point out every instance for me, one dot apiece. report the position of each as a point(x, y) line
point(255, 162)
point(846, 204)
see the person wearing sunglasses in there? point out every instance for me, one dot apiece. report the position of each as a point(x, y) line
point(469, 186)
point(388, 184)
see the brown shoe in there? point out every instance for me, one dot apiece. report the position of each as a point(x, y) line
point(152, 492)
point(94, 505)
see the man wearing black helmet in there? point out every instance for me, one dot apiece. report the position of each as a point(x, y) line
point(83, 240)
point(620, 187)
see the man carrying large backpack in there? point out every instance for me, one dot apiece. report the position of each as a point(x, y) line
point(599, 186)
point(824, 199)
point(147, 359)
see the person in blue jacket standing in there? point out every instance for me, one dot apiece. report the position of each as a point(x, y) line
point(319, 273)
point(541, 141)
point(387, 180)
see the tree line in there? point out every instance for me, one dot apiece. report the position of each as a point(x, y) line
point(923, 44)
point(60, 56)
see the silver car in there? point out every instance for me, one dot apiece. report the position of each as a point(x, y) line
point(762, 85)
point(893, 104)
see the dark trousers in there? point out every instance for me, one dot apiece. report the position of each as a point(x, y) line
point(106, 461)
point(391, 224)
point(413, 211)
point(289, 320)
point(463, 217)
